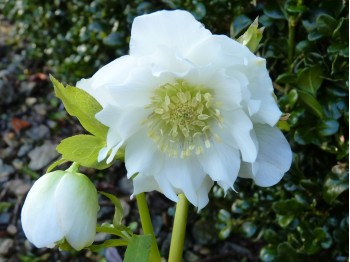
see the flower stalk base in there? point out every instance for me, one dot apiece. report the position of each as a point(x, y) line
point(179, 230)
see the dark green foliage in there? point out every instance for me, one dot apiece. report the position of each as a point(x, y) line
point(305, 216)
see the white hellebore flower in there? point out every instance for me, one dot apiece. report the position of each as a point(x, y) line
point(61, 205)
point(190, 108)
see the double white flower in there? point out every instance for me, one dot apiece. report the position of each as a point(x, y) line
point(190, 108)
point(61, 205)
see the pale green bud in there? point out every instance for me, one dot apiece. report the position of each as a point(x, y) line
point(251, 38)
point(61, 206)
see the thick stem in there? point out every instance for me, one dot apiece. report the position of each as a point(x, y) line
point(147, 227)
point(179, 230)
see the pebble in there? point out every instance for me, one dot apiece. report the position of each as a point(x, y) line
point(204, 233)
point(24, 149)
point(11, 229)
point(41, 156)
point(5, 170)
point(41, 109)
point(112, 255)
point(38, 132)
point(31, 101)
point(18, 187)
point(6, 244)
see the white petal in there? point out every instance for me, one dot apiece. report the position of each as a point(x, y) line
point(144, 183)
point(77, 204)
point(165, 187)
point(185, 175)
point(141, 155)
point(112, 74)
point(137, 88)
point(220, 50)
point(39, 214)
point(177, 30)
point(274, 157)
point(242, 133)
point(221, 163)
point(203, 192)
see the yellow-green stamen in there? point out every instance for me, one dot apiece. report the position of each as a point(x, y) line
point(182, 118)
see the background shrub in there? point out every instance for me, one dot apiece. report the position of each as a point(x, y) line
point(304, 217)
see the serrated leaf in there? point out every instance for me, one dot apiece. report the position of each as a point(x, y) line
point(84, 150)
point(119, 212)
point(138, 249)
point(80, 104)
point(251, 38)
point(310, 79)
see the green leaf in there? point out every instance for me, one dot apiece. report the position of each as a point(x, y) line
point(268, 254)
point(334, 185)
point(108, 243)
point(80, 104)
point(284, 220)
point(320, 239)
point(287, 253)
point(121, 231)
point(248, 229)
point(138, 249)
point(328, 127)
point(312, 104)
point(310, 79)
point(84, 150)
point(290, 207)
point(326, 24)
point(251, 38)
point(119, 212)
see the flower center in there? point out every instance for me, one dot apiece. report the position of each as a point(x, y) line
point(182, 119)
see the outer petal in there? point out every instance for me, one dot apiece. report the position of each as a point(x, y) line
point(112, 74)
point(39, 214)
point(274, 157)
point(185, 175)
point(177, 30)
point(203, 192)
point(242, 134)
point(221, 163)
point(77, 205)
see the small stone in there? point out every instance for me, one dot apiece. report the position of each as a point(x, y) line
point(18, 187)
point(30, 101)
point(6, 245)
point(5, 218)
point(40, 109)
point(17, 164)
point(12, 230)
point(24, 149)
point(10, 139)
point(41, 156)
point(38, 132)
point(5, 170)
point(100, 237)
point(112, 254)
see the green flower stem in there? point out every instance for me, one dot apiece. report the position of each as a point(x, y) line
point(147, 225)
point(291, 35)
point(179, 230)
